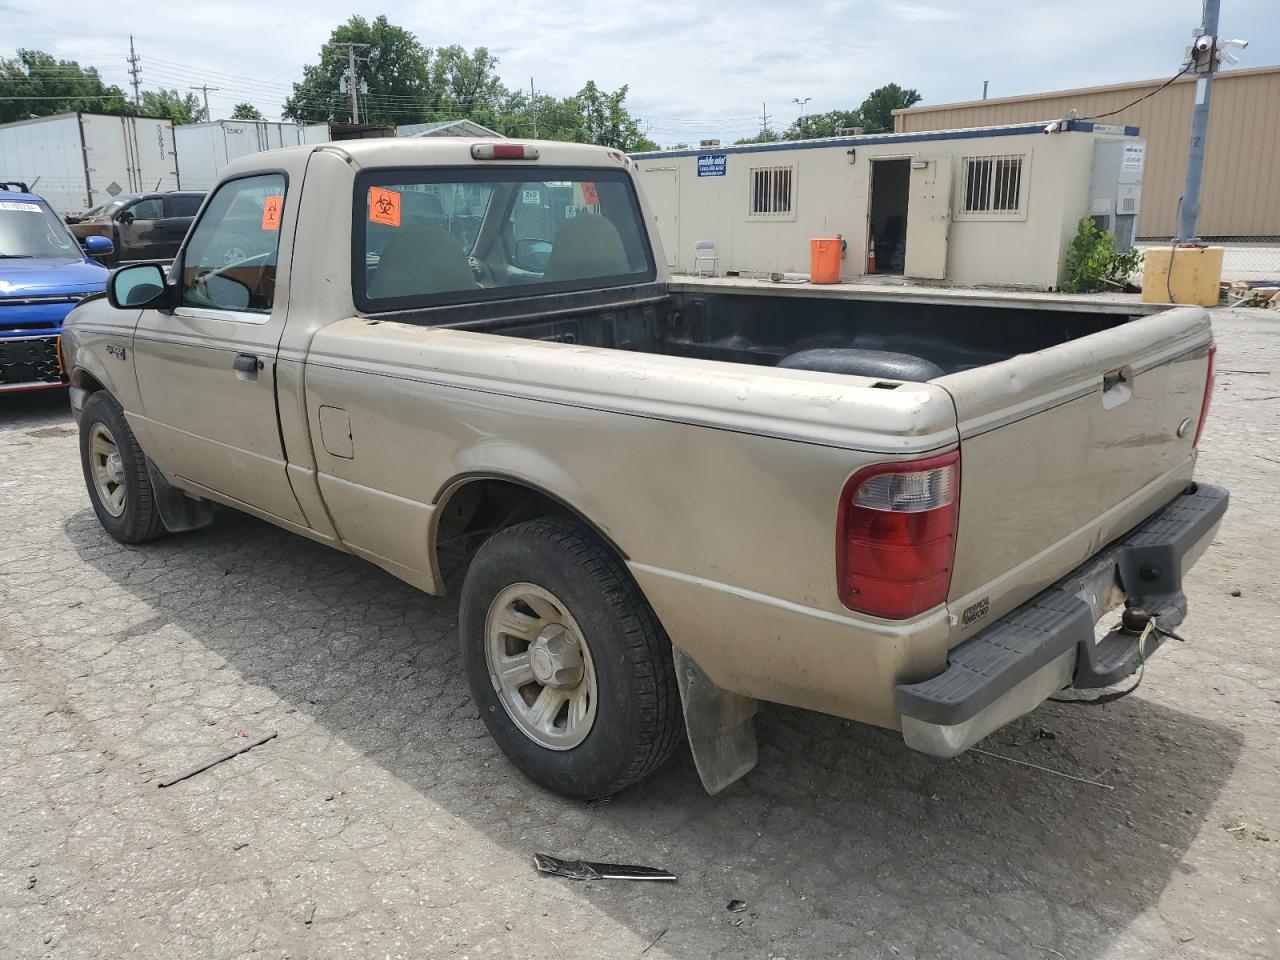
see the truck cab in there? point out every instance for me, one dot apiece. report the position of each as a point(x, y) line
point(44, 274)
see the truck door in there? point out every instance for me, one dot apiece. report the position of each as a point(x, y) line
point(179, 210)
point(138, 230)
point(206, 370)
point(928, 219)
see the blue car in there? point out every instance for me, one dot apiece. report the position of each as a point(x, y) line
point(44, 273)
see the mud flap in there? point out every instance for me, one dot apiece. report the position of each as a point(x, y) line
point(722, 734)
point(178, 512)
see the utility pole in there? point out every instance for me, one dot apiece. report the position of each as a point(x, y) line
point(764, 120)
point(353, 82)
point(205, 90)
point(134, 72)
point(533, 107)
point(984, 88)
point(1202, 62)
point(800, 122)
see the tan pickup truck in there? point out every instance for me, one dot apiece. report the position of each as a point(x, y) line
point(661, 502)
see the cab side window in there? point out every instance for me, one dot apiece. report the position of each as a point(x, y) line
point(230, 261)
point(148, 209)
point(182, 206)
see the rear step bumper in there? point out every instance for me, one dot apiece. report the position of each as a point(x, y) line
point(1048, 643)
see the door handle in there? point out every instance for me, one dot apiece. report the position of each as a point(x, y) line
point(246, 366)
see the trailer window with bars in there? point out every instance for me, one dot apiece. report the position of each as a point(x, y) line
point(991, 187)
point(772, 193)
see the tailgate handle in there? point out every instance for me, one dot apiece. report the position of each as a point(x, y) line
point(1116, 387)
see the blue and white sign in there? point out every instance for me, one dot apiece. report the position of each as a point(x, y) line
point(711, 165)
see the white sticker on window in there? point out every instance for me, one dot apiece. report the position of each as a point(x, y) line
point(21, 206)
point(531, 196)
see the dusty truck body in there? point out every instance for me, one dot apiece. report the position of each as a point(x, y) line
point(661, 502)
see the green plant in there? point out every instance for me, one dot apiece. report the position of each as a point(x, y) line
point(1093, 263)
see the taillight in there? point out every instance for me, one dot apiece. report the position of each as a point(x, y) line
point(503, 151)
point(1208, 394)
point(896, 536)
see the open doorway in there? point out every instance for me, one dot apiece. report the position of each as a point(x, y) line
point(887, 217)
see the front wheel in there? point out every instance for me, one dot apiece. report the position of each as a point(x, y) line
point(115, 472)
point(568, 666)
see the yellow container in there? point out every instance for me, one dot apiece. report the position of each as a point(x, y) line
point(1190, 273)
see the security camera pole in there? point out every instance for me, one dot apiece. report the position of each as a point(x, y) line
point(1204, 55)
point(1203, 62)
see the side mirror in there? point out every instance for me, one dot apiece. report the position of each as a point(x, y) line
point(98, 244)
point(138, 287)
point(126, 218)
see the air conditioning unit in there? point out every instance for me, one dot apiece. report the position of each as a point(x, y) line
point(850, 131)
point(1115, 190)
point(708, 144)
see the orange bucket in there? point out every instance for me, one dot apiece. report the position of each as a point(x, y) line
point(824, 261)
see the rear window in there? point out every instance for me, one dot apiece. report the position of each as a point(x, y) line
point(437, 236)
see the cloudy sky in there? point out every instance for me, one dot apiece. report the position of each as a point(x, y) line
point(696, 69)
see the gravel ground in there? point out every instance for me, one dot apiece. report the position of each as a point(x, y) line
point(382, 822)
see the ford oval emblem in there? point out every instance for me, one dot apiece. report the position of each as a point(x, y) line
point(1184, 426)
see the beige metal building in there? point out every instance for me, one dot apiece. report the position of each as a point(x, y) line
point(1241, 193)
point(994, 206)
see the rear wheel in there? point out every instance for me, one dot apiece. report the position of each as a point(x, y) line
point(115, 472)
point(568, 666)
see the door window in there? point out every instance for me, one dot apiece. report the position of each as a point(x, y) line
point(149, 209)
point(182, 205)
point(230, 262)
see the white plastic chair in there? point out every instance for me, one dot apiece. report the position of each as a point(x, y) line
point(705, 250)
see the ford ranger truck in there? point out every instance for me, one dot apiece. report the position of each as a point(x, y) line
point(659, 501)
point(44, 273)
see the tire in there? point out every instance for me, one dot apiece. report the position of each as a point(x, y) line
point(119, 490)
point(633, 722)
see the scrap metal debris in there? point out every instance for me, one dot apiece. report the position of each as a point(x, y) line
point(735, 906)
point(200, 768)
point(1036, 766)
point(590, 870)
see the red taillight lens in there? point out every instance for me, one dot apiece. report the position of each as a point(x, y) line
point(1208, 394)
point(896, 536)
point(503, 151)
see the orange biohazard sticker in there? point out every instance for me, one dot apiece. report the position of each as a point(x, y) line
point(271, 208)
point(589, 194)
point(384, 207)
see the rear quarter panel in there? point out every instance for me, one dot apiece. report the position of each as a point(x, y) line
point(718, 483)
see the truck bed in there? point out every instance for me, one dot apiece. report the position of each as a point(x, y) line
point(767, 325)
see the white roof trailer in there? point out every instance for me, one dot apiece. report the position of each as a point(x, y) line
point(79, 160)
point(982, 205)
point(205, 149)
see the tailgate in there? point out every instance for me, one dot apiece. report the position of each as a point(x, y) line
point(1065, 449)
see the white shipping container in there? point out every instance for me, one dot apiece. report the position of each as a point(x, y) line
point(205, 149)
point(79, 160)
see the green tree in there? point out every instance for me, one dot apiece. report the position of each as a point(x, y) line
point(606, 121)
point(467, 84)
point(245, 111)
point(764, 136)
point(823, 124)
point(395, 67)
point(877, 110)
point(172, 105)
point(544, 116)
point(36, 84)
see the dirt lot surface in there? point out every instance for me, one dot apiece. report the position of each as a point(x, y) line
point(382, 822)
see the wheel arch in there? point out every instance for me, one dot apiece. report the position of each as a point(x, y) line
point(472, 506)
